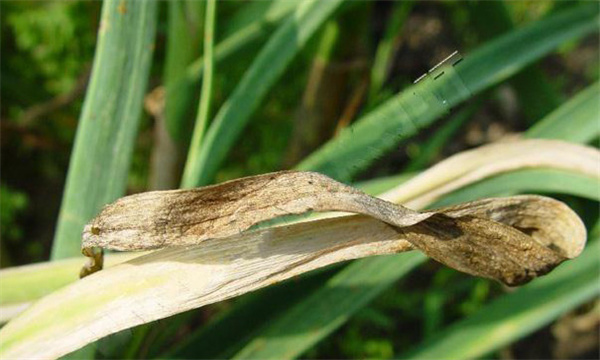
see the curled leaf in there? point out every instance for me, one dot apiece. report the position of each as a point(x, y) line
point(473, 238)
point(186, 217)
point(211, 255)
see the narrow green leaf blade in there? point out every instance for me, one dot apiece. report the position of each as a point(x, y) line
point(264, 71)
point(576, 120)
point(184, 30)
point(503, 57)
point(253, 23)
point(534, 91)
point(515, 315)
point(109, 120)
point(191, 167)
point(247, 27)
point(436, 142)
point(527, 181)
point(385, 48)
point(340, 297)
point(403, 115)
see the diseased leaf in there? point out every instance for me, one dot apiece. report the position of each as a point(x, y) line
point(145, 288)
point(554, 177)
point(507, 239)
point(517, 314)
point(268, 342)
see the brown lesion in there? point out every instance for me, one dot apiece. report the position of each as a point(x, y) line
point(95, 230)
point(95, 260)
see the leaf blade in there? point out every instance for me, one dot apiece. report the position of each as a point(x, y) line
point(264, 71)
point(403, 115)
point(105, 136)
point(517, 314)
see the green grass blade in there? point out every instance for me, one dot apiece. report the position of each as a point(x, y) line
point(337, 300)
point(222, 338)
point(403, 115)
point(527, 181)
point(535, 93)
point(515, 315)
point(109, 120)
point(380, 185)
point(576, 120)
point(432, 147)
point(184, 30)
point(254, 22)
point(262, 74)
point(385, 48)
point(192, 162)
point(254, 14)
point(505, 56)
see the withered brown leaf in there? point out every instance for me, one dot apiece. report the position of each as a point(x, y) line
point(512, 240)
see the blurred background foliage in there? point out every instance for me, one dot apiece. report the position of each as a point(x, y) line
point(360, 58)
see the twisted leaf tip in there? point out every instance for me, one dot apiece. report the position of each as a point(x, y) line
point(512, 240)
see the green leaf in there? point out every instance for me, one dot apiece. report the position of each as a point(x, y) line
point(260, 77)
point(527, 181)
point(403, 115)
point(517, 314)
point(387, 46)
point(184, 30)
point(109, 121)
point(380, 185)
point(349, 290)
point(503, 57)
point(222, 338)
point(433, 146)
point(252, 23)
point(576, 120)
point(249, 25)
point(192, 164)
point(536, 95)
